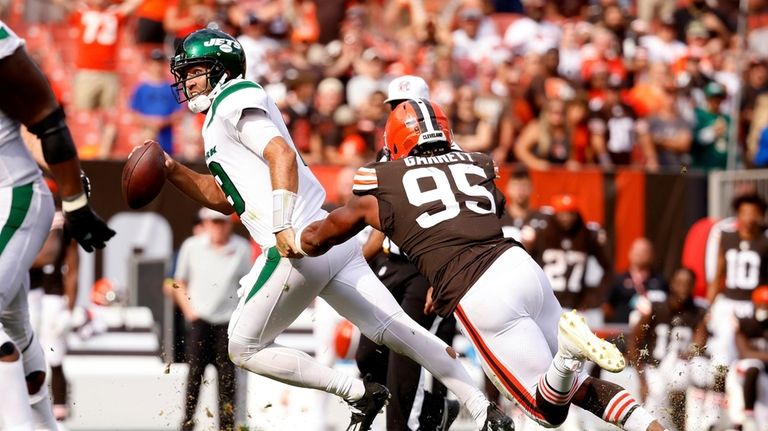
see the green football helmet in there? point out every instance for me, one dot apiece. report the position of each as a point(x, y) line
point(216, 50)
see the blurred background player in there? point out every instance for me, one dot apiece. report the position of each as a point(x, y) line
point(741, 267)
point(53, 290)
point(208, 268)
point(747, 381)
point(27, 211)
point(562, 246)
point(660, 345)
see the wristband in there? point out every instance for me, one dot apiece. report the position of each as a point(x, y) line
point(74, 203)
point(283, 202)
point(297, 242)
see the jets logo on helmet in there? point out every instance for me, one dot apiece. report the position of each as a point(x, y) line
point(415, 126)
point(218, 52)
point(225, 45)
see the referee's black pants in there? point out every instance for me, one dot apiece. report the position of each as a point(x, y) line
point(399, 373)
point(206, 343)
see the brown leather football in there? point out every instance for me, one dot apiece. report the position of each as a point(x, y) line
point(143, 174)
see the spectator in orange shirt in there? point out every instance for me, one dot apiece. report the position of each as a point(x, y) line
point(603, 51)
point(150, 33)
point(96, 85)
point(646, 96)
point(182, 17)
point(517, 113)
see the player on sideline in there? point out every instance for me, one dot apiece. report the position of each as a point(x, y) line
point(258, 173)
point(442, 207)
point(26, 211)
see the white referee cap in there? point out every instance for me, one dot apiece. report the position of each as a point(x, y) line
point(407, 87)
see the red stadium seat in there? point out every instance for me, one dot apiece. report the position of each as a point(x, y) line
point(694, 250)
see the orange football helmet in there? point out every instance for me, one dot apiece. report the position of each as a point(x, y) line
point(760, 295)
point(415, 122)
point(564, 203)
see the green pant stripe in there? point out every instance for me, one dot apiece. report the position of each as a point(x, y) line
point(273, 258)
point(21, 197)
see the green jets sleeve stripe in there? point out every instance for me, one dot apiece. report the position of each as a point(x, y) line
point(21, 197)
point(3, 33)
point(227, 91)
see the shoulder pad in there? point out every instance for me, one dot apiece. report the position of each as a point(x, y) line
point(727, 224)
point(9, 41)
point(236, 96)
point(365, 180)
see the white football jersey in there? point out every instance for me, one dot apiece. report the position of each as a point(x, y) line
point(242, 174)
point(17, 167)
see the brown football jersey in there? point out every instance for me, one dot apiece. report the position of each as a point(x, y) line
point(443, 212)
point(745, 266)
point(669, 332)
point(563, 257)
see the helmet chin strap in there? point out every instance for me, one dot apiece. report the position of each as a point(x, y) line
point(202, 102)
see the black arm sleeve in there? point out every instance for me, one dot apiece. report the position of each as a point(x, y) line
point(56, 140)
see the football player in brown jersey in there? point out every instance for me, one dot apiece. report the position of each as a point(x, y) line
point(562, 244)
point(400, 374)
point(741, 267)
point(661, 344)
point(747, 380)
point(442, 207)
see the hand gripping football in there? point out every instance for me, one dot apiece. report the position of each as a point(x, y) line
point(143, 174)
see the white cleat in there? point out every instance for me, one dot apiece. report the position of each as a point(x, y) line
point(576, 340)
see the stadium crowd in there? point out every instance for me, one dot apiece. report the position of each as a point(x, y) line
point(611, 83)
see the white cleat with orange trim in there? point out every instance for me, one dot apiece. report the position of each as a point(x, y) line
point(577, 341)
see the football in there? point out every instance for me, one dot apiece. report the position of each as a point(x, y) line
point(143, 174)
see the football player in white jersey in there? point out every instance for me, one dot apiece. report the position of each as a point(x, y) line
point(26, 211)
point(257, 172)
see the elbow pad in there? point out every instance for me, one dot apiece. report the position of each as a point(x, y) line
point(55, 137)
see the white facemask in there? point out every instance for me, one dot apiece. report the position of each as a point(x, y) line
point(761, 314)
point(202, 102)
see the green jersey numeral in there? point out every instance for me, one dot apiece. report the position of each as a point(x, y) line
point(228, 187)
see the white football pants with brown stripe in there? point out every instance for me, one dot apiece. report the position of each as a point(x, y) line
point(511, 317)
